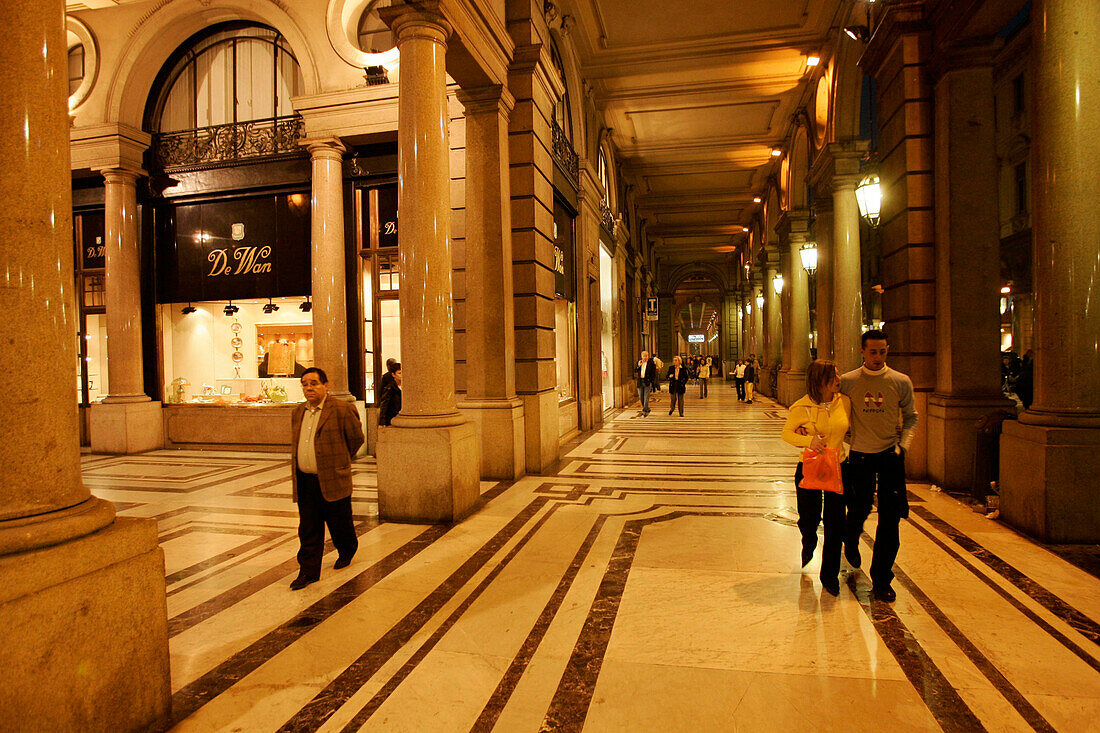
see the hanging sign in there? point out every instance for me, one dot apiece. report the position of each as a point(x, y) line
point(696, 338)
point(255, 247)
point(651, 309)
point(91, 241)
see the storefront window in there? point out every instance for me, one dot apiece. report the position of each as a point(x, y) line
point(89, 261)
point(607, 348)
point(377, 239)
point(565, 333)
point(94, 356)
point(253, 356)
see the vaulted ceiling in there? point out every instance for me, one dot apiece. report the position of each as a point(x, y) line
point(697, 94)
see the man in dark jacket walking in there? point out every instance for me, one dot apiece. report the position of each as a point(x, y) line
point(677, 385)
point(647, 379)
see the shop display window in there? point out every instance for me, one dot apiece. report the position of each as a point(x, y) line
point(565, 335)
point(252, 356)
point(607, 343)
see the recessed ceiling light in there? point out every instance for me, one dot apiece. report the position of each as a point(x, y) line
point(744, 229)
point(813, 60)
point(776, 152)
point(756, 199)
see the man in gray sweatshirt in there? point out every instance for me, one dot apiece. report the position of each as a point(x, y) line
point(884, 418)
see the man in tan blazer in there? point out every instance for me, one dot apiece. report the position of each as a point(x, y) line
point(326, 434)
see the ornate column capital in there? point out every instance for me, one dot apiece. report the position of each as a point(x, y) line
point(324, 147)
point(121, 174)
point(487, 99)
point(424, 21)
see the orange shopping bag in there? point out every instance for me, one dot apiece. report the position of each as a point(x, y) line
point(821, 470)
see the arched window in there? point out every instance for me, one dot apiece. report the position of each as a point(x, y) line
point(562, 111)
point(601, 173)
point(232, 73)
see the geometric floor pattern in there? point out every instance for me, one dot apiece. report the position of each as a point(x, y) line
point(650, 583)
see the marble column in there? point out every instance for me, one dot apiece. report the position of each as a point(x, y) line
point(757, 322)
point(127, 421)
point(847, 322)
point(428, 458)
point(330, 320)
point(1051, 457)
point(77, 582)
point(797, 283)
point(968, 274)
point(775, 325)
point(823, 283)
point(491, 402)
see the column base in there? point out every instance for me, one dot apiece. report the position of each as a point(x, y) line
point(540, 429)
point(500, 425)
point(125, 427)
point(84, 632)
point(428, 475)
point(1048, 480)
point(953, 438)
point(792, 386)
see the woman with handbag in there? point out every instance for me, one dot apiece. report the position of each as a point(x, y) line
point(817, 423)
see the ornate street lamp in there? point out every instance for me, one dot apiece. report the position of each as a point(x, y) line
point(808, 255)
point(777, 284)
point(760, 300)
point(869, 198)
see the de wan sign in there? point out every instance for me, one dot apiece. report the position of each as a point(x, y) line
point(250, 260)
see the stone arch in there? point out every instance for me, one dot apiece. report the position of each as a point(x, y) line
point(799, 168)
point(158, 36)
point(604, 145)
point(711, 271)
point(846, 91)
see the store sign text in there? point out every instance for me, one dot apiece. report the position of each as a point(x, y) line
point(559, 260)
point(247, 261)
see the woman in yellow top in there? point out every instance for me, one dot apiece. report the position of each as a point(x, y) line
point(817, 421)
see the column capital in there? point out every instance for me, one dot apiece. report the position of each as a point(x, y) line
point(425, 21)
point(324, 147)
point(121, 174)
point(494, 98)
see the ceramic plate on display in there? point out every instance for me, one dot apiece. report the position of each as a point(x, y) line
point(236, 343)
point(238, 357)
point(235, 327)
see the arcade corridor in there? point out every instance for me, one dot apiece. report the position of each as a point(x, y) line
point(650, 582)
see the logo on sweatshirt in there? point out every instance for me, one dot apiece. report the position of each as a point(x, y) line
point(875, 400)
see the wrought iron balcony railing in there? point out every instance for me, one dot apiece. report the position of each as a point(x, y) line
point(564, 155)
point(607, 218)
point(226, 144)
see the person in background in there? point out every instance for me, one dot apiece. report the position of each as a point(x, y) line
point(647, 379)
point(817, 421)
point(750, 380)
point(325, 435)
point(884, 419)
point(677, 385)
point(739, 379)
point(389, 403)
point(704, 376)
point(1025, 382)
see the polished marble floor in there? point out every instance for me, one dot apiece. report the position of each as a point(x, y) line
point(652, 583)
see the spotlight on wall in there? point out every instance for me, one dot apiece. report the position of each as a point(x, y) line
point(188, 309)
point(270, 307)
point(230, 309)
point(306, 305)
point(857, 32)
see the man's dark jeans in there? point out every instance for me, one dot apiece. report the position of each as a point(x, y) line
point(866, 474)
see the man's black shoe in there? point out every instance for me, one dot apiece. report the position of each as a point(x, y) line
point(302, 581)
point(832, 586)
point(884, 593)
point(343, 562)
point(851, 554)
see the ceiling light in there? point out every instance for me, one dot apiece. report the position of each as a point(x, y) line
point(813, 60)
point(188, 309)
point(744, 229)
point(756, 199)
point(776, 152)
point(306, 305)
point(857, 32)
point(230, 309)
point(270, 307)
point(1006, 290)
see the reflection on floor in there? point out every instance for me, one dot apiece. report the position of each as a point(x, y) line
point(650, 584)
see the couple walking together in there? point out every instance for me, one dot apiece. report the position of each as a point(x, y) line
point(677, 382)
point(865, 421)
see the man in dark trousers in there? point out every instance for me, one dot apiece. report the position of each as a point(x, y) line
point(884, 419)
point(326, 434)
point(647, 379)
